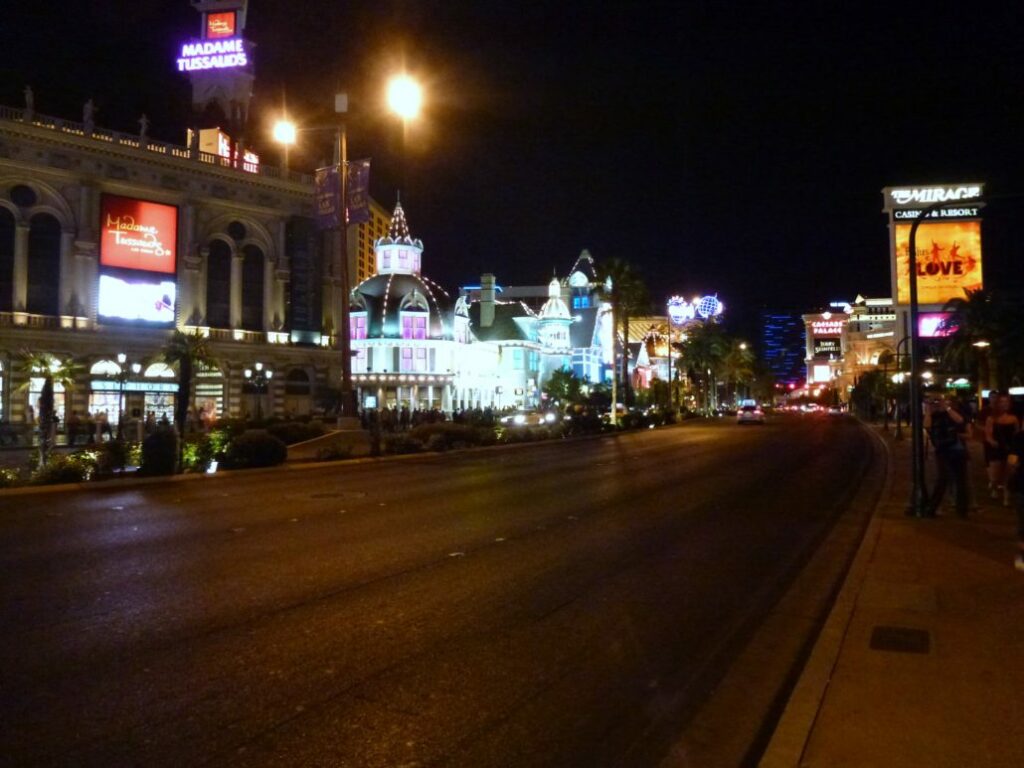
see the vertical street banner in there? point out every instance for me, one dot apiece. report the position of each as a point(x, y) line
point(328, 198)
point(357, 209)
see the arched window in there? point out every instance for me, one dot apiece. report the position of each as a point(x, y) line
point(105, 368)
point(252, 288)
point(297, 382)
point(43, 265)
point(218, 285)
point(6, 260)
point(159, 370)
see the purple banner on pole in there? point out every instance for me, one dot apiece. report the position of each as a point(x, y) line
point(328, 198)
point(358, 192)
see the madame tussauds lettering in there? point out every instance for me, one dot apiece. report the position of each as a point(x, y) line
point(212, 54)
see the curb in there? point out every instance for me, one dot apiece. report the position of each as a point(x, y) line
point(134, 482)
point(793, 731)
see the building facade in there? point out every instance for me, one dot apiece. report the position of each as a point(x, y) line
point(110, 241)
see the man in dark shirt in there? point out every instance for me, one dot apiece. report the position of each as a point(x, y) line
point(1015, 462)
point(946, 428)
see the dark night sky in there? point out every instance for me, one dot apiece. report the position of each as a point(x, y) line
point(718, 146)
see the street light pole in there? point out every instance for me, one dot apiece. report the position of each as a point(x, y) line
point(348, 403)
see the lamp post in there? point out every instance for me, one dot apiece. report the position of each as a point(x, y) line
point(259, 380)
point(404, 98)
point(982, 345)
point(122, 379)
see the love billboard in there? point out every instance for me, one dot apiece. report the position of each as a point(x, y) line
point(948, 260)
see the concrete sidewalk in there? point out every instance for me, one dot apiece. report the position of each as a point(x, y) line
point(921, 661)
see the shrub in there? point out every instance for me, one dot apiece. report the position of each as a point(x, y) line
point(9, 478)
point(159, 452)
point(62, 468)
point(334, 451)
point(291, 432)
point(402, 443)
point(111, 457)
point(443, 436)
point(255, 448)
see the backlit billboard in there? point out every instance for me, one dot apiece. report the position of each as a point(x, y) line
point(933, 325)
point(138, 297)
point(948, 260)
point(220, 25)
point(138, 234)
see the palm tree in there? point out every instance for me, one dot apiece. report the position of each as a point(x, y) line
point(625, 292)
point(737, 363)
point(704, 348)
point(53, 371)
point(986, 337)
point(634, 300)
point(187, 351)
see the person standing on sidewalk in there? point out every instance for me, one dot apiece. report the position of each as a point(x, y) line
point(946, 428)
point(1000, 428)
point(1015, 482)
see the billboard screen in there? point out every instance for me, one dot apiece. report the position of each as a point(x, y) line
point(930, 325)
point(220, 24)
point(138, 234)
point(827, 347)
point(948, 260)
point(143, 297)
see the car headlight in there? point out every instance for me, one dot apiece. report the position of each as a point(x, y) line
point(519, 419)
point(549, 417)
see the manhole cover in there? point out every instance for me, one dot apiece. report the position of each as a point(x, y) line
point(900, 640)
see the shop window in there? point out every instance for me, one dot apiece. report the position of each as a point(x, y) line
point(105, 368)
point(360, 360)
point(517, 359)
point(252, 288)
point(43, 265)
point(159, 371)
point(35, 390)
point(7, 228)
point(218, 285)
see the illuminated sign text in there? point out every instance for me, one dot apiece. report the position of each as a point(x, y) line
point(929, 195)
point(137, 234)
point(212, 54)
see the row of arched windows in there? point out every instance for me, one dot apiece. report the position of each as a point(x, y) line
point(43, 274)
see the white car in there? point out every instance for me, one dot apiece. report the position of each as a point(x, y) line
point(750, 414)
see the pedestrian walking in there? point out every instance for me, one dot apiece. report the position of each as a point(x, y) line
point(1000, 428)
point(946, 428)
point(1015, 482)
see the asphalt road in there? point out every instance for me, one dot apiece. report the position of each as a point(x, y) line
point(548, 605)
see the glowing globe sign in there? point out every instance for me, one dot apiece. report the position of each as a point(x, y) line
point(681, 311)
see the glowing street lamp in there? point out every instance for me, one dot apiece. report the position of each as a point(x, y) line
point(981, 344)
point(285, 132)
point(404, 96)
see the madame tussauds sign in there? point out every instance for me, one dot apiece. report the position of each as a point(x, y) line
point(212, 54)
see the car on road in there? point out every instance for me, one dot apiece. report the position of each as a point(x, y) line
point(750, 414)
point(528, 419)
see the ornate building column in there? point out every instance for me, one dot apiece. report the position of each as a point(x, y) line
point(236, 290)
point(20, 271)
point(67, 291)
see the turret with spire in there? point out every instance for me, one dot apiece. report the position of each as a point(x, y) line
point(398, 252)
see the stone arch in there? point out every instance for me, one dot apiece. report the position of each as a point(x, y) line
point(8, 232)
point(49, 200)
point(256, 233)
point(254, 261)
point(44, 261)
point(219, 254)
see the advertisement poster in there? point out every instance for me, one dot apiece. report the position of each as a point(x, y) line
point(220, 25)
point(137, 234)
point(948, 261)
point(934, 325)
point(150, 300)
point(328, 198)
